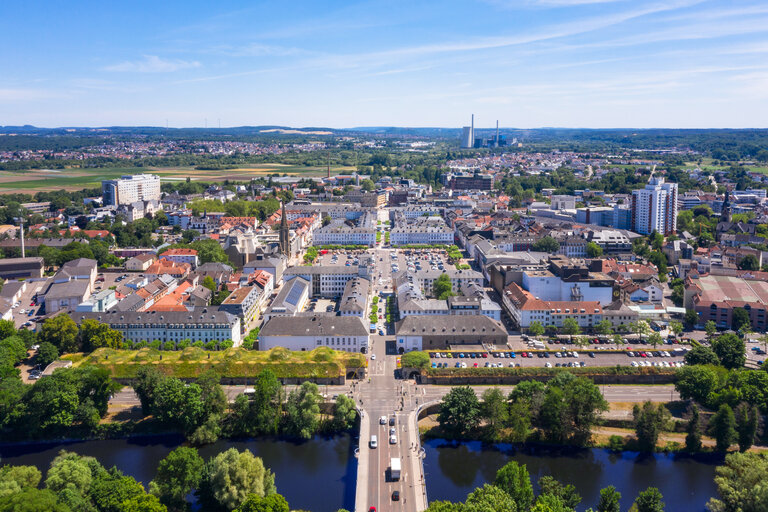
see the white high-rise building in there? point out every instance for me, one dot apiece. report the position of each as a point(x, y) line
point(654, 208)
point(129, 189)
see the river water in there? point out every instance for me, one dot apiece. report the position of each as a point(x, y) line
point(317, 475)
point(455, 469)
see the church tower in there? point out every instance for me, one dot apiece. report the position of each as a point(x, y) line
point(726, 215)
point(285, 235)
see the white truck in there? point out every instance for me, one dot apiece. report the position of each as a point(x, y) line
point(394, 469)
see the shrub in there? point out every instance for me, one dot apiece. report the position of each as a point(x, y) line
point(616, 443)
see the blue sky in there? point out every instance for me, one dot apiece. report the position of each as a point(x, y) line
point(528, 63)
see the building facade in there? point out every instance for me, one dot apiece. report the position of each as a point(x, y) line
point(654, 208)
point(130, 189)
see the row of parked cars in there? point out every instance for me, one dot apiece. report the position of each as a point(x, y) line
point(658, 364)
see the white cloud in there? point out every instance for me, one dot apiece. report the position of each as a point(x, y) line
point(153, 64)
point(12, 95)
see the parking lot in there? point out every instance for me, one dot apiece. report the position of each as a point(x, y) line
point(321, 305)
point(26, 310)
point(413, 260)
point(340, 258)
point(566, 357)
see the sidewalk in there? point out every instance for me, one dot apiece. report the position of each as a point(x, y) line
point(417, 468)
point(361, 493)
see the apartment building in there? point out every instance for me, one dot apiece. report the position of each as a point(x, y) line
point(654, 208)
point(130, 189)
point(208, 324)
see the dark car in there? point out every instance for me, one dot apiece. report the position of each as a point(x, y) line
point(396, 496)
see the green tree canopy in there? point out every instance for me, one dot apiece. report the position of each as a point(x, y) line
point(231, 476)
point(459, 410)
point(730, 349)
point(515, 480)
point(177, 475)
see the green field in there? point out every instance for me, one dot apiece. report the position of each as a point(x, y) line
point(35, 180)
point(234, 362)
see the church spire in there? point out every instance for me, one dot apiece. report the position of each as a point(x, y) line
point(285, 236)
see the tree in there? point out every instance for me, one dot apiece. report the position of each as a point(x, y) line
point(693, 429)
point(303, 411)
point(459, 411)
point(72, 471)
point(722, 427)
point(566, 493)
point(179, 405)
point(604, 327)
point(536, 329)
point(271, 503)
point(730, 349)
point(209, 283)
point(649, 500)
point(15, 478)
point(594, 250)
point(143, 503)
point(367, 185)
point(229, 477)
point(710, 328)
point(495, 411)
point(749, 262)
point(515, 480)
point(650, 420)
point(747, 422)
point(148, 380)
point(46, 354)
point(676, 327)
point(701, 355)
point(610, 500)
point(695, 383)
point(570, 326)
point(212, 394)
point(546, 244)
point(111, 490)
point(741, 483)
point(691, 318)
point(490, 497)
point(177, 475)
point(442, 287)
point(94, 334)
point(618, 340)
point(740, 319)
point(655, 339)
point(32, 500)
point(344, 412)
point(61, 331)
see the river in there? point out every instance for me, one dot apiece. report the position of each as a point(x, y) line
point(317, 475)
point(452, 470)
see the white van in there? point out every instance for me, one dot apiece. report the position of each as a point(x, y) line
point(374, 442)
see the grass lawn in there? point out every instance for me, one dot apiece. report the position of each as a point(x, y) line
point(234, 362)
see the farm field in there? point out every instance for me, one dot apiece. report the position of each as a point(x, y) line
point(39, 180)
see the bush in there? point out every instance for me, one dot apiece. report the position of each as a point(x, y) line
point(155, 345)
point(616, 443)
point(224, 345)
point(211, 345)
